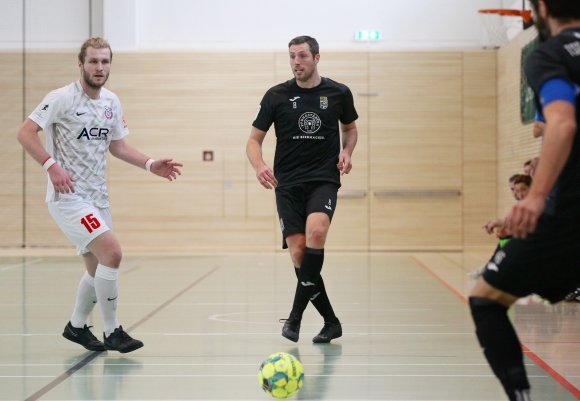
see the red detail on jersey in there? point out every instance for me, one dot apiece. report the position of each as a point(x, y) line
point(90, 222)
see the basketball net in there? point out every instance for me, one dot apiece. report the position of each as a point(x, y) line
point(501, 25)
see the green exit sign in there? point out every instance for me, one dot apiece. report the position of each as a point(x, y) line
point(368, 35)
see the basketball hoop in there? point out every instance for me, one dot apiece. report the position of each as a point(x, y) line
point(499, 22)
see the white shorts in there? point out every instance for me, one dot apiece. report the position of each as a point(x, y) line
point(80, 221)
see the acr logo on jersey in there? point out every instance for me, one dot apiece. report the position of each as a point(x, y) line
point(94, 134)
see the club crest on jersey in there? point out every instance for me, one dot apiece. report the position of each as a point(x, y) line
point(309, 122)
point(323, 102)
point(108, 112)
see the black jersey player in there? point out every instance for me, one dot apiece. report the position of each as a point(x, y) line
point(308, 112)
point(543, 258)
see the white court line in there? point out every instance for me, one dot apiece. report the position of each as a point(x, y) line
point(15, 265)
point(201, 334)
point(76, 375)
point(245, 364)
point(220, 317)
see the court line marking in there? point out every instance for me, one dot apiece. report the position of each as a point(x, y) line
point(539, 361)
point(21, 264)
point(92, 355)
point(245, 333)
point(248, 364)
point(253, 375)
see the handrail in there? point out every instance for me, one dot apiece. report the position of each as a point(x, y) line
point(420, 193)
point(352, 194)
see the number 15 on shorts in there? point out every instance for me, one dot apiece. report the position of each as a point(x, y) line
point(90, 222)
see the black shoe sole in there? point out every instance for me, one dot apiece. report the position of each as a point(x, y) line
point(293, 339)
point(74, 340)
point(324, 340)
point(125, 350)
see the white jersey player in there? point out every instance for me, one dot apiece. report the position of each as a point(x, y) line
point(81, 122)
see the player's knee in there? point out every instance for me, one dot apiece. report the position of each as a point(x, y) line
point(113, 257)
point(317, 236)
point(481, 308)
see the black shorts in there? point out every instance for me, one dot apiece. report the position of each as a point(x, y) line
point(546, 263)
point(296, 202)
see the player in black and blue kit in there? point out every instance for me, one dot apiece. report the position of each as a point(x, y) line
point(544, 255)
point(308, 113)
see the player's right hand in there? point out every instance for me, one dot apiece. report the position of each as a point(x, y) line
point(265, 176)
point(60, 179)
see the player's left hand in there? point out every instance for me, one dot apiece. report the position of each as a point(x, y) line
point(166, 168)
point(523, 217)
point(344, 163)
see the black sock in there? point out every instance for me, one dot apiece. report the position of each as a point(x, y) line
point(320, 300)
point(308, 276)
point(500, 344)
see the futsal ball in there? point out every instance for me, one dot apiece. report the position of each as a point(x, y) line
point(281, 375)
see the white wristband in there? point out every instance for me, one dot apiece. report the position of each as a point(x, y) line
point(48, 163)
point(148, 164)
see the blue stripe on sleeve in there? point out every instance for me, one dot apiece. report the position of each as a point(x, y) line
point(557, 89)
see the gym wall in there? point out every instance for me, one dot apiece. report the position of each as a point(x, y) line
point(424, 175)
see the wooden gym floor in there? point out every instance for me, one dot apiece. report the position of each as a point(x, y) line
point(207, 322)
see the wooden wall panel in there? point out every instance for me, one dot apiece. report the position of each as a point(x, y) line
point(200, 102)
point(412, 108)
point(11, 174)
point(44, 72)
point(515, 141)
point(416, 145)
point(479, 146)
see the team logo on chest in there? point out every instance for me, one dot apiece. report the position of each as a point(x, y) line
point(323, 102)
point(309, 122)
point(108, 112)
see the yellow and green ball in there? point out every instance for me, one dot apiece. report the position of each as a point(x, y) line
point(281, 375)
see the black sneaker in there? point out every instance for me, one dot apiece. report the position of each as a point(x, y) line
point(83, 336)
point(574, 296)
point(291, 329)
point(328, 332)
point(120, 341)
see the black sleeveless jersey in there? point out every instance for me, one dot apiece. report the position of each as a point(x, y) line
point(307, 129)
point(559, 57)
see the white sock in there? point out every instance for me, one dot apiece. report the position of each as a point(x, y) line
point(106, 289)
point(85, 302)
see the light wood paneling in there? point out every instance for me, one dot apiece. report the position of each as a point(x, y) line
point(44, 72)
point(479, 145)
point(11, 174)
point(180, 105)
point(431, 110)
point(416, 144)
point(515, 141)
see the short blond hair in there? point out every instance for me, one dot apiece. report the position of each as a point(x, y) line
point(95, 43)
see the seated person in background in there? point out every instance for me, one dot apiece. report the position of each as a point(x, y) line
point(530, 166)
point(521, 187)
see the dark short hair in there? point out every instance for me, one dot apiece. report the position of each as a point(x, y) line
point(523, 179)
point(312, 43)
point(560, 9)
point(95, 43)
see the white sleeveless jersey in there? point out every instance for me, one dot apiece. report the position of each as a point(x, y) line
point(78, 132)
